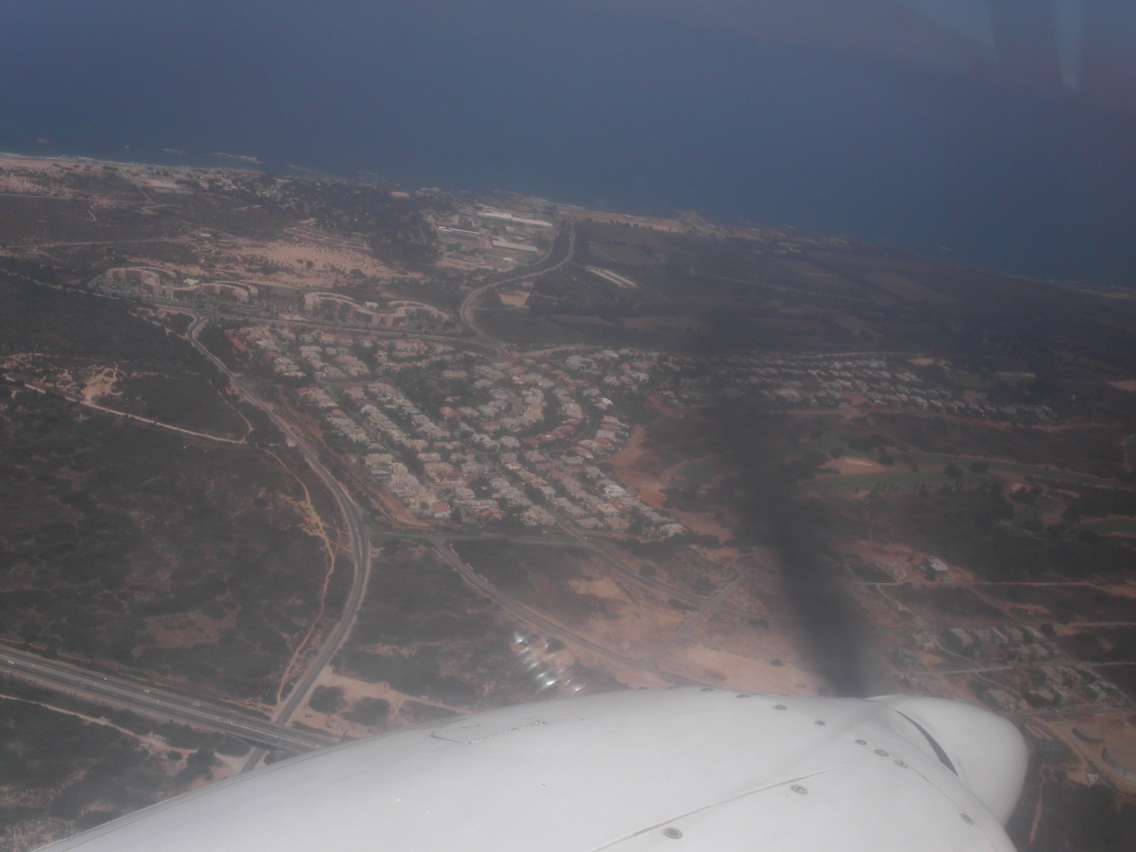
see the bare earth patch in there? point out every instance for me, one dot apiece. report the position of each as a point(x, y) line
point(735, 671)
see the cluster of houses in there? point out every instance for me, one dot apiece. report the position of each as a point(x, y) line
point(1045, 683)
point(1051, 682)
point(1060, 686)
point(521, 441)
point(812, 381)
point(1000, 644)
point(333, 356)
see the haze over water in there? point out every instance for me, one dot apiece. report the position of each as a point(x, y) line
point(579, 104)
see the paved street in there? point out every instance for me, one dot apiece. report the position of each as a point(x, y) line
point(155, 702)
point(360, 540)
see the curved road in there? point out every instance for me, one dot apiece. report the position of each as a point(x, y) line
point(276, 733)
point(466, 312)
point(360, 542)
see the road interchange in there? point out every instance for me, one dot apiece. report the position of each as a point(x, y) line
point(360, 541)
point(276, 734)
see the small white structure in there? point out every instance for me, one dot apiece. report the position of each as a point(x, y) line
point(937, 570)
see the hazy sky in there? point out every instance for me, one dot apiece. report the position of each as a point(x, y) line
point(971, 18)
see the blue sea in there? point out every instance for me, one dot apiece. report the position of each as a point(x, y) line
point(579, 103)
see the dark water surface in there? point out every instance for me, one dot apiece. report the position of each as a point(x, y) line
point(576, 104)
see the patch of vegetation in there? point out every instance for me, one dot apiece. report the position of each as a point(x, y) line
point(416, 673)
point(72, 774)
point(368, 711)
point(954, 601)
point(1073, 816)
point(29, 220)
point(115, 537)
point(327, 699)
point(1102, 644)
point(68, 331)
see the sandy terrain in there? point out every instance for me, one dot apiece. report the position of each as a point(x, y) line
point(630, 473)
point(633, 469)
point(353, 690)
point(735, 671)
point(294, 254)
point(332, 257)
point(19, 183)
point(637, 621)
point(726, 632)
point(514, 299)
point(633, 678)
point(847, 464)
point(100, 385)
point(26, 176)
point(1090, 754)
point(90, 383)
point(14, 166)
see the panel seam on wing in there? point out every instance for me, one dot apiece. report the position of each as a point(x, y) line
point(532, 724)
point(724, 801)
point(962, 808)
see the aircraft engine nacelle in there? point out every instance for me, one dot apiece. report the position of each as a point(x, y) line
point(685, 769)
point(985, 751)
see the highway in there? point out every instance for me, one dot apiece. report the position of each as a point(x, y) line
point(160, 703)
point(163, 703)
point(276, 734)
point(360, 540)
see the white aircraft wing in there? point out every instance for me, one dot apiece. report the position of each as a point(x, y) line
point(672, 769)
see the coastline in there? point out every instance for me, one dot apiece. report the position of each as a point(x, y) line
point(253, 163)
